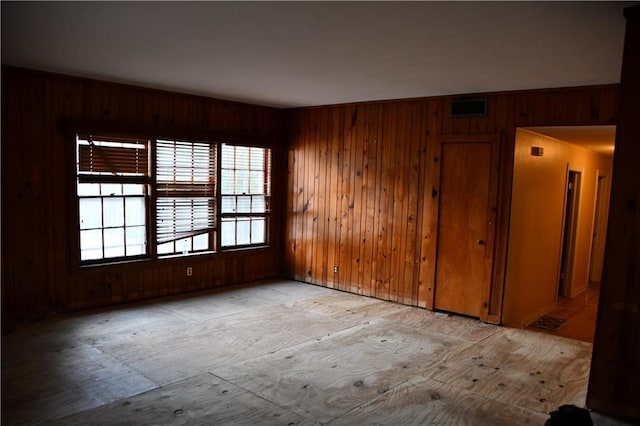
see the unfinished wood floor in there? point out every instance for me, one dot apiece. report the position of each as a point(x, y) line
point(284, 353)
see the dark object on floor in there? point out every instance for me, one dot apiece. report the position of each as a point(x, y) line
point(547, 323)
point(569, 415)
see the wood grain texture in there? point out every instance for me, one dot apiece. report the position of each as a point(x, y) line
point(329, 377)
point(499, 367)
point(359, 169)
point(40, 272)
point(461, 277)
point(383, 207)
point(615, 371)
point(283, 352)
point(419, 401)
point(204, 399)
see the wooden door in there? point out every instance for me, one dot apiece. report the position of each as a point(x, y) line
point(464, 255)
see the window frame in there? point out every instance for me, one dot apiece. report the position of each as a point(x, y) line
point(268, 177)
point(182, 189)
point(152, 133)
point(118, 179)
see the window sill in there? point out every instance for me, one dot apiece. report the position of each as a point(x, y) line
point(174, 258)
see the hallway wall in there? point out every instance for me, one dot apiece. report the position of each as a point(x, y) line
point(537, 210)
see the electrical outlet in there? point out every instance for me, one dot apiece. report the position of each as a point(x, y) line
point(335, 269)
point(189, 271)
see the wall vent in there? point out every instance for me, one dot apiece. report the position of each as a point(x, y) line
point(468, 107)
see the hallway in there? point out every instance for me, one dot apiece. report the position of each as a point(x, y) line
point(578, 316)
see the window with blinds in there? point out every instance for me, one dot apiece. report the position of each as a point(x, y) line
point(112, 178)
point(245, 191)
point(141, 198)
point(185, 191)
point(116, 157)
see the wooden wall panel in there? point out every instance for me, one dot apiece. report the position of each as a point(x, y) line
point(369, 202)
point(615, 365)
point(360, 188)
point(38, 239)
point(374, 171)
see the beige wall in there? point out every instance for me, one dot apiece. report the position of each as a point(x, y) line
point(535, 234)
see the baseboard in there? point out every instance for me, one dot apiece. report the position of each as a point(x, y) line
point(577, 292)
point(540, 312)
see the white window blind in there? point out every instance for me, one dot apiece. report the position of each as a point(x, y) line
point(185, 189)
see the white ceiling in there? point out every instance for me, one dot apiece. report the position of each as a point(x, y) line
point(290, 54)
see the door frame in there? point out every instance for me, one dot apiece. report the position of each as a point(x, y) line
point(568, 236)
point(599, 228)
point(432, 210)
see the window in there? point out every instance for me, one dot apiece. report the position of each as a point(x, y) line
point(185, 196)
point(245, 192)
point(140, 198)
point(112, 197)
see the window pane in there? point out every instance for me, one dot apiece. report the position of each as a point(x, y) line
point(228, 235)
point(91, 254)
point(242, 158)
point(243, 231)
point(91, 240)
point(113, 211)
point(90, 213)
point(259, 204)
point(244, 174)
point(111, 189)
point(229, 204)
point(227, 186)
point(257, 158)
point(136, 240)
point(244, 204)
point(228, 156)
point(257, 183)
point(257, 231)
point(112, 214)
point(242, 182)
point(135, 211)
point(85, 189)
point(114, 242)
point(184, 245)
point(201, 242)
point(166, 248)
point(132, 189)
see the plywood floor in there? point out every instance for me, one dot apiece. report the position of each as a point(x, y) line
point(284, 353)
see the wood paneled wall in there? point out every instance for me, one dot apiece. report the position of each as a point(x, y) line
point(361, 182)
point(38, 276)
point(615, 364)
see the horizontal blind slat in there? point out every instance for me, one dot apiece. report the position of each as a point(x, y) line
point(185, 190)
point(131, 158)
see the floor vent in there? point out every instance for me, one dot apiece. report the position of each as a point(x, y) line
point(547, 323)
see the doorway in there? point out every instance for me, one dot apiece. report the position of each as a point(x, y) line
point(464, 253)
point(600, 217)
point(567, 252)
point(551, 248)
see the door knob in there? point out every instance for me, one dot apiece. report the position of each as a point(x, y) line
point(480, 242)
